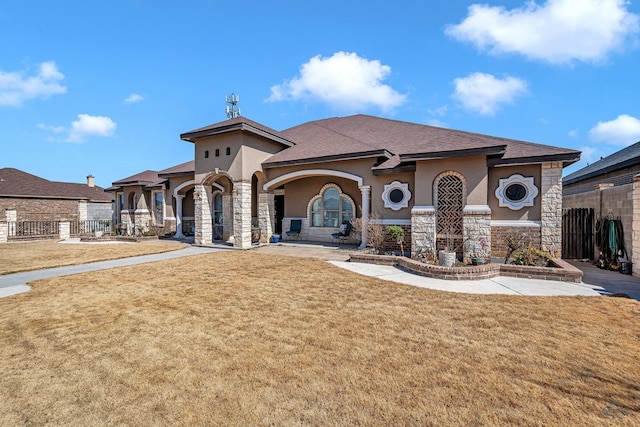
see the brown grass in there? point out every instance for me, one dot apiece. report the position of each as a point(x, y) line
point(243, 338)
point(28, 256)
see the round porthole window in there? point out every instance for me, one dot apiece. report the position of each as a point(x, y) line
point(516, 192)
point(396, 195)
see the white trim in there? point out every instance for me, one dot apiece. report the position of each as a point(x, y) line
point(170, 218)
point(417, 210)
point(311, 172)
point(515, 223)
point(515, 205)
point(140, 211)
point(406, 195)
point(390, 221)
point(181, 186)
point(476, 208)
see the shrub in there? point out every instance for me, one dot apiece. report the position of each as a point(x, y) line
point(532, 256)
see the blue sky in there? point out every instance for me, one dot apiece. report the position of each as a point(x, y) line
point(106, 87)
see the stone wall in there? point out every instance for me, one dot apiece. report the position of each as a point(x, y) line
point(551, 208)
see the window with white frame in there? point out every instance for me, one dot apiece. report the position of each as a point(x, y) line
point(331, 207)
point(396, 195)
point(158, 206)
point(516, 192)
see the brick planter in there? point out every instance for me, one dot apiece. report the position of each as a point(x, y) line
point(562, 271)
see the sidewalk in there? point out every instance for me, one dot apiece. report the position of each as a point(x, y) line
point(595, 282)
point(11, 284)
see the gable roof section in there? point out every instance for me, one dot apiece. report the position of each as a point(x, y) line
point(236, 124)
point(143, 178)
point(367, 136)
point(622, 159)
point(186, 168)
point(19, 184)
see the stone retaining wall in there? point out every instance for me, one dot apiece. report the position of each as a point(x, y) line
point(562, 271)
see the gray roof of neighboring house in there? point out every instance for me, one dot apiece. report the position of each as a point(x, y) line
point(18, 184)
point(622, 159)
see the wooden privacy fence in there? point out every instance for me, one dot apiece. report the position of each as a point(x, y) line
point(577, 233)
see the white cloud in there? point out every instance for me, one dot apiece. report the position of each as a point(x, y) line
point(133, 98)
point(439, 112)
point(437, 123)
point(589, 154)
point(54, 129)
point(87, 126)
point(623, 130)
point(557, 31)
point(573, 133)
point(15, 87)
point(345, 81)
point(485, 93)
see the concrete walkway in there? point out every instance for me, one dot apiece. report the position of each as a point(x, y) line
point(11, 284)
point(596, 282)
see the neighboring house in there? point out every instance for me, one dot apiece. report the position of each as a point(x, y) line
point(443, 186)
point(606, 187)
point(26, 197)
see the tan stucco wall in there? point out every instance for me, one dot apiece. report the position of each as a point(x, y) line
point(247, 152)
point(474, 169)
point(525, 214)
point(300, 191)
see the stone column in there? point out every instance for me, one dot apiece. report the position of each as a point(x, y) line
point(242, 214)
point(227, 217)
point(204, 229)
point(365, 191)
point(423, 230)
point(64, 230)
point(635, 227)
point(551, 208)
point(12, 218)
point(476, 227)
point(179, 234)
point(266, 214)
point(82, 211)
point(4, 232)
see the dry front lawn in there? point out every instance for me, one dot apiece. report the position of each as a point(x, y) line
point(28, 256)
point(243, 338)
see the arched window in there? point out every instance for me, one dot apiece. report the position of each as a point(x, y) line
point(330, 207)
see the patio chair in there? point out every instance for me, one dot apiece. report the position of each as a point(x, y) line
point(343, 233)
point(295, 228)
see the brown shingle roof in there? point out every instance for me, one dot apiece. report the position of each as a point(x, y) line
point(142, 178)
point(185, 168)
point(16, 183)
point(345, 136)
point(237, 123)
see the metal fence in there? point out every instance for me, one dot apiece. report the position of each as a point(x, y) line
point(50, 229)
point(33, 229)
point(90, 226)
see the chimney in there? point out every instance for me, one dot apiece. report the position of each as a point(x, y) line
point(90, 181)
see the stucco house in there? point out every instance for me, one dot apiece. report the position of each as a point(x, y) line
point(443, 186)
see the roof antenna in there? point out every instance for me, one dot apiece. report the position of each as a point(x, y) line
point(231, 111)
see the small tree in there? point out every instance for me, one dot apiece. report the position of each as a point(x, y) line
point(397, 233)
point(514, 241)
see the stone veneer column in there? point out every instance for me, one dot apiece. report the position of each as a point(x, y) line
point(179, 198)
point(82, 210)
point(227, 217)
point(64, 230)
point(266, 215)
point(423, 230)
point(204, 229)
point(476, 225)
point(365, 191)
point(635, 227)
point(551, 208)
point(4, 232)
point(242, 214)
point(12, 218)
